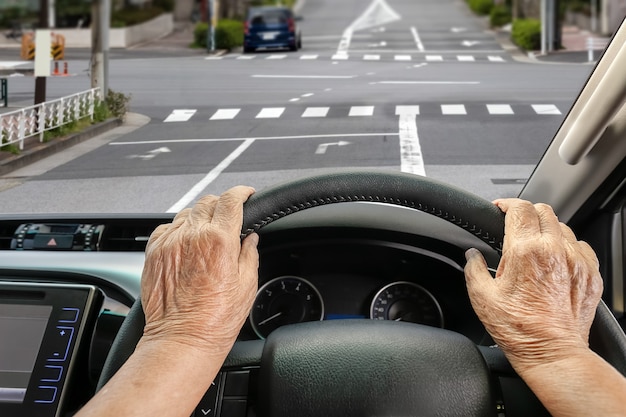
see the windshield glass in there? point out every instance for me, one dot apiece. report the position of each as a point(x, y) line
point(447, 89)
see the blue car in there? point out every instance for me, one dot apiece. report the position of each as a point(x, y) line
point(271, 27)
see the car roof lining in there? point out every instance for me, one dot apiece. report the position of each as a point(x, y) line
point(566, 186)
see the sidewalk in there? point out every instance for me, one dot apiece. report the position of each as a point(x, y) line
point(575, 47)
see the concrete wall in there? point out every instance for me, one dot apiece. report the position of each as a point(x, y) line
point(122, 37)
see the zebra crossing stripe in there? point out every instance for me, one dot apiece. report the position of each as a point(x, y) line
point(277, 57)
point(180, 115)
point(495, 58)
point(545, 109)
point(270, 113)
point(309, 56)
point(225, 114)
point(246, 57)
point(340, 57)
point(402, 57)
point(316, 112)
point(371, 57)
point(465, 58)
point(407, 110)
point(434, 58)
point(499, 109)
point(357, 111)
point(450, 109)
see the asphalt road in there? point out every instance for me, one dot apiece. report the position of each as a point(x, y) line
point(418, 86)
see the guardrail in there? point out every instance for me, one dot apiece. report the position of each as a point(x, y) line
point(30, 121)
point(593, 44)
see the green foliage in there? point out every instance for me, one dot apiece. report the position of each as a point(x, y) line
point(526, 33)
point(286, 3)
point(134, 15)
point(117, 103)
point(5, 147)
point(500, 15)
point(481, 7)
point(228, 34)
point(100, 112)
point(167, 5)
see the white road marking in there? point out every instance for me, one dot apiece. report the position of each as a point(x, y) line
point(495, 58)
point(450, 109)
point(309, 57)
point(180, 115)
point(321, 77)
point(430, 82)
point(546, 109)
point(307, 95)
point(371, 57)
point(411, 159)
point(499, 109)
point(225, 114)
point(340, 56)
point(214, 58)
point(465, 58)
point(407, 110)
point(457, 29)
point(294, 99)
point(418, 41)
point(432, 58)
point(151, 154)
point(358, 111)
point(246, 57)
point(316, 112)
point(469, 44)
point(402, 57)
point(323, 147)
point(197, 189)
point(175, 141)
point(270, 113)
point(276, 57)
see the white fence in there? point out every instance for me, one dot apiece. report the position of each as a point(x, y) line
point(35, 120)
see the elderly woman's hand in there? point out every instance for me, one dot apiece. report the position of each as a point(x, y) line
point(543, 299)
point(199, 279)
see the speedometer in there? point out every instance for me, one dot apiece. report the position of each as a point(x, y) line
point(285, 300)
point(406, 301)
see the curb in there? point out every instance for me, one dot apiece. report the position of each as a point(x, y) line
point(42, 150)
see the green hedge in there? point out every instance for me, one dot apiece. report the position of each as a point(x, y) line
point(481, 7)
point(228, 34)
point(526, 33)
point(134, 15)
point(500, 15)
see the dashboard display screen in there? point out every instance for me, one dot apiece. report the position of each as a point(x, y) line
point(22, 328)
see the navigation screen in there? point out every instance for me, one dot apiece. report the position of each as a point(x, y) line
point(22, 328)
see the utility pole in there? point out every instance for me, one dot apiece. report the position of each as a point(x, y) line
point(100, 22)
point(40, 82)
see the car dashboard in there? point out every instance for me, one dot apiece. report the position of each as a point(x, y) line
point(352, 261)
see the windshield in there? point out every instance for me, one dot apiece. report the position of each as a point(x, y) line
point(429, 87)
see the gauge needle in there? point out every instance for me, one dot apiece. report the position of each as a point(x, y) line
point(280, 313)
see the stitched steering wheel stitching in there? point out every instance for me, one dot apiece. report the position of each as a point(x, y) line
point(495, 244)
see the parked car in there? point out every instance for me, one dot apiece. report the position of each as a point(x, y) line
point(271, 27)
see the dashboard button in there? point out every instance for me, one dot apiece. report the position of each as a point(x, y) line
point(62, 342)
point(237, 384)
point(69, 315)
point(52, 373)
point(234, 408)
point(47, 394)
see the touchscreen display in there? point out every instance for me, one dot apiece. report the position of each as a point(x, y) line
point(22, 328)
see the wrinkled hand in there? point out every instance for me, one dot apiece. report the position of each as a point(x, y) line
point(543, 300)
point(199, 279)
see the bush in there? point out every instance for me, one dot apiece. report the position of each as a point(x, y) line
point(500, 15)
point(481, 7)
point(228, 34)
point(117, 103)
point(134, 15)
point(526, 33)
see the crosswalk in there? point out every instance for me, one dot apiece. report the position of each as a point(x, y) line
point(430, 58)
point(356, 111)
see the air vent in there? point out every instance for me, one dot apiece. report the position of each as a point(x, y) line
point(128, 236)
point(7, 231)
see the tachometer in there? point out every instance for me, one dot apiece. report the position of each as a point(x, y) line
point(285, 300)
point(406, 301)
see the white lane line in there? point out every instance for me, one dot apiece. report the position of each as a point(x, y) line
point(407, 110)
point(246, 57)
point(270, 113)
point(307, 95)
point(450, 109)
point(418, 41)
point(434, 58)
point(197, 189)
point(225, 114)
point(316, 112)
point(546, 109)
point(214, 58)
point(175, 141)
point(340, 56)
point(429, 82)
point(411, 159)
point(180, 115)
point(402, 57)
point(495, 58)
point(276, 57)
point(309, 57)
point(358, 111)
point(371, 57)
point(321, 77)
point(499, 109)
point(295, 99)
point(465, 58)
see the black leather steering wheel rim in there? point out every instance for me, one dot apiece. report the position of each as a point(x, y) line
point(461, 208)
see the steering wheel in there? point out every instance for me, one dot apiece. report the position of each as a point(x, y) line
point(371, 367)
